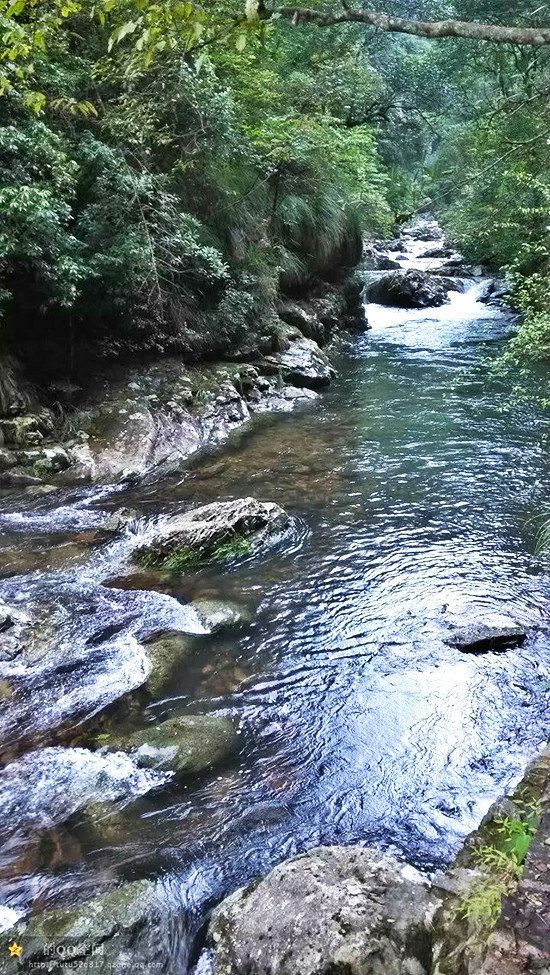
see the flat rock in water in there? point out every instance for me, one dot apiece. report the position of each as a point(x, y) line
point(481, 638)
point(336, 909)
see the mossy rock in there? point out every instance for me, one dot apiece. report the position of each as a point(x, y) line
point(185, 745)
point(103, 936)
point(166, 651)
point(212, 533)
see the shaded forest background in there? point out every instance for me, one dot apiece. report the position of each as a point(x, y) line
point(168, 171)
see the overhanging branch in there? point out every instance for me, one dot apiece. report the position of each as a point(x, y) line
point(470, 30)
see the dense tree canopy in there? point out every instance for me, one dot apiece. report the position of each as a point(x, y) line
point(169, 168)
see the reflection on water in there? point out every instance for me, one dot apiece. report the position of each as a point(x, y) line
point(418, 480)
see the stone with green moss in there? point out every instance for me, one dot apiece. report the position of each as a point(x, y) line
point(185, 745)
point(105, 936)
point(215, 532)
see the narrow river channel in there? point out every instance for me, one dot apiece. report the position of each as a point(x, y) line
point(417, 482)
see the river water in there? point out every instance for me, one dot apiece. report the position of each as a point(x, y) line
point(417, 483)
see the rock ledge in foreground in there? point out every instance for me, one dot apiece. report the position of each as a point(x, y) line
point(335, 909)
point(117, 932)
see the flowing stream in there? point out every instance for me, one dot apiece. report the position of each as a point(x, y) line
point(417, 482)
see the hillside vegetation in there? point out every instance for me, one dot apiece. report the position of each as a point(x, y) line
point(168, 169)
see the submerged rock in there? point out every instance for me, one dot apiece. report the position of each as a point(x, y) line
point(480, 638)
point(407, 289)
point(185, 745)
point(221, 614)
point(302, 363)
point(112, 934)
point(216, 531)
point(348, 910)
point(165, 651)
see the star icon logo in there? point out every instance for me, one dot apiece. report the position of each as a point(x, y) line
point(15, 950)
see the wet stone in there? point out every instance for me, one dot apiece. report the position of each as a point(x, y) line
point(219, 615)
point(185, 745)
point(481, 638)
point(224, 528)
point(166, 651)
point(106, 936)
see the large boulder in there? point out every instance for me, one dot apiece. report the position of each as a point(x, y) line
point(216, 531)
point(383, 262)
point(126, 929)
point(349, 910)
point(407, 289)
point(185, 745)
point(301, 363)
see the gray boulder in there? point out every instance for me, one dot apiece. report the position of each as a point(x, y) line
point(349, 910)
point(185, 745)
point(302, 363)
point(480, 638)
point(213, 532)
point(407, 289)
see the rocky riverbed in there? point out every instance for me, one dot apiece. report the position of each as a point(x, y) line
point(346, 658)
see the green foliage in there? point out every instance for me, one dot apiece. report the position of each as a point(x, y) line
point(158, 190)
point(501, 864)
point(187, 559)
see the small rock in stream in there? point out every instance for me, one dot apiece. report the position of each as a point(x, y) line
point(185, 745)
point(481, 638)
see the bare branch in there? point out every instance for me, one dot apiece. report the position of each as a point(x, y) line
point(470, 30)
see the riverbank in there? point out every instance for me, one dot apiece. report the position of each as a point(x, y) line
point(132, 419)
